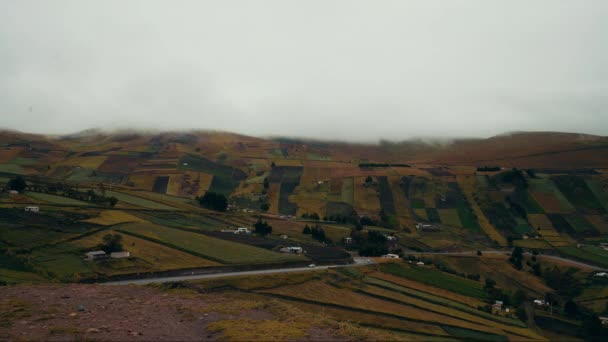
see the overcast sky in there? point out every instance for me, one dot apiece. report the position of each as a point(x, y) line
point(357, 70)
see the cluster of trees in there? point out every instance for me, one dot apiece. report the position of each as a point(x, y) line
point(262, 227)
point(111, 243)
point(17, 183)
point(313, 216)
point(372, 243)
point(316, 232)
point(488, 169)
point(517, 258)
point(382, 165)
point(213, 200)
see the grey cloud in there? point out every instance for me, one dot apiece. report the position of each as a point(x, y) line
point(356, 70)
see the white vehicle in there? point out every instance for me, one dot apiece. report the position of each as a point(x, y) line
point(242, 231)
point(312, 265)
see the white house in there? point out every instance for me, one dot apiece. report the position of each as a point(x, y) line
point(540, 302)
point(294, 250)
point(420, 263)
point(120, 255)
point(96, 255)
point(391, 256)
point(242, 230)
point(32, 208)
point(601, 274)
point(13, 192)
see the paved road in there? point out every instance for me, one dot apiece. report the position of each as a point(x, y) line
point(540, 256)
point(358, 262)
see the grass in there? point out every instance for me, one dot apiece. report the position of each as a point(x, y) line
point(55, 199)
point(437, 278)
point(138, 201)
point(596, 188)
point(433, 215)
point(204, 246)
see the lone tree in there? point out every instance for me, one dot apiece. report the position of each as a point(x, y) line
point(262, 227)
point(111, 243)
point(214, 201)
point(17, 183)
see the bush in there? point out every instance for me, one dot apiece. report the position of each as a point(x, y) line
point(111, 243)
point(214, 201)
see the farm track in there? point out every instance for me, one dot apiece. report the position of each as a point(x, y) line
point(546, 256)
point(194, 276)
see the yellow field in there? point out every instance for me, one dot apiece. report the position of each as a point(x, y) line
point(428, 289)
point(154, 256)
point(540, 221)
point(287, 162)
point(143, 181)
point(421, 212)
point(273, 197)
point(468, 183)
point(86, 162)
point(366, 198)
point(8, 153)
point(184, 184)
point(112, 217)
point(401, 202)
point(321, 292)
point(598, 222)
point(532, 243)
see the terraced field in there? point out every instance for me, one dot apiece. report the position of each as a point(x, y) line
point(203, 246)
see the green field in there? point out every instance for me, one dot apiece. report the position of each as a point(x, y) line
point(347, 194)
point(450, 217)
point(592, 254)
point(12, 168)
point(578, 193)
point(142, 202)
point(436, 278)
point(440, 300)
point(55, 199)
point(207, 247)
point(596, 188)
point(547, 186)
point(29, 237)
point(467, 218)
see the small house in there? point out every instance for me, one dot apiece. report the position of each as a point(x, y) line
point(604, 320)
point(96, 255)
point(242, 230)
point(284, 237)
point(120, 255)
point(601, 274)
point(391, 256)
point(292, 250)
point(540, 302)
point(33, 209)
point(13, 192)
point(420, 263)
point(348, 240)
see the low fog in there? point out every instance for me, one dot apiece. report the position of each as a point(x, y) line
point(351, 70)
